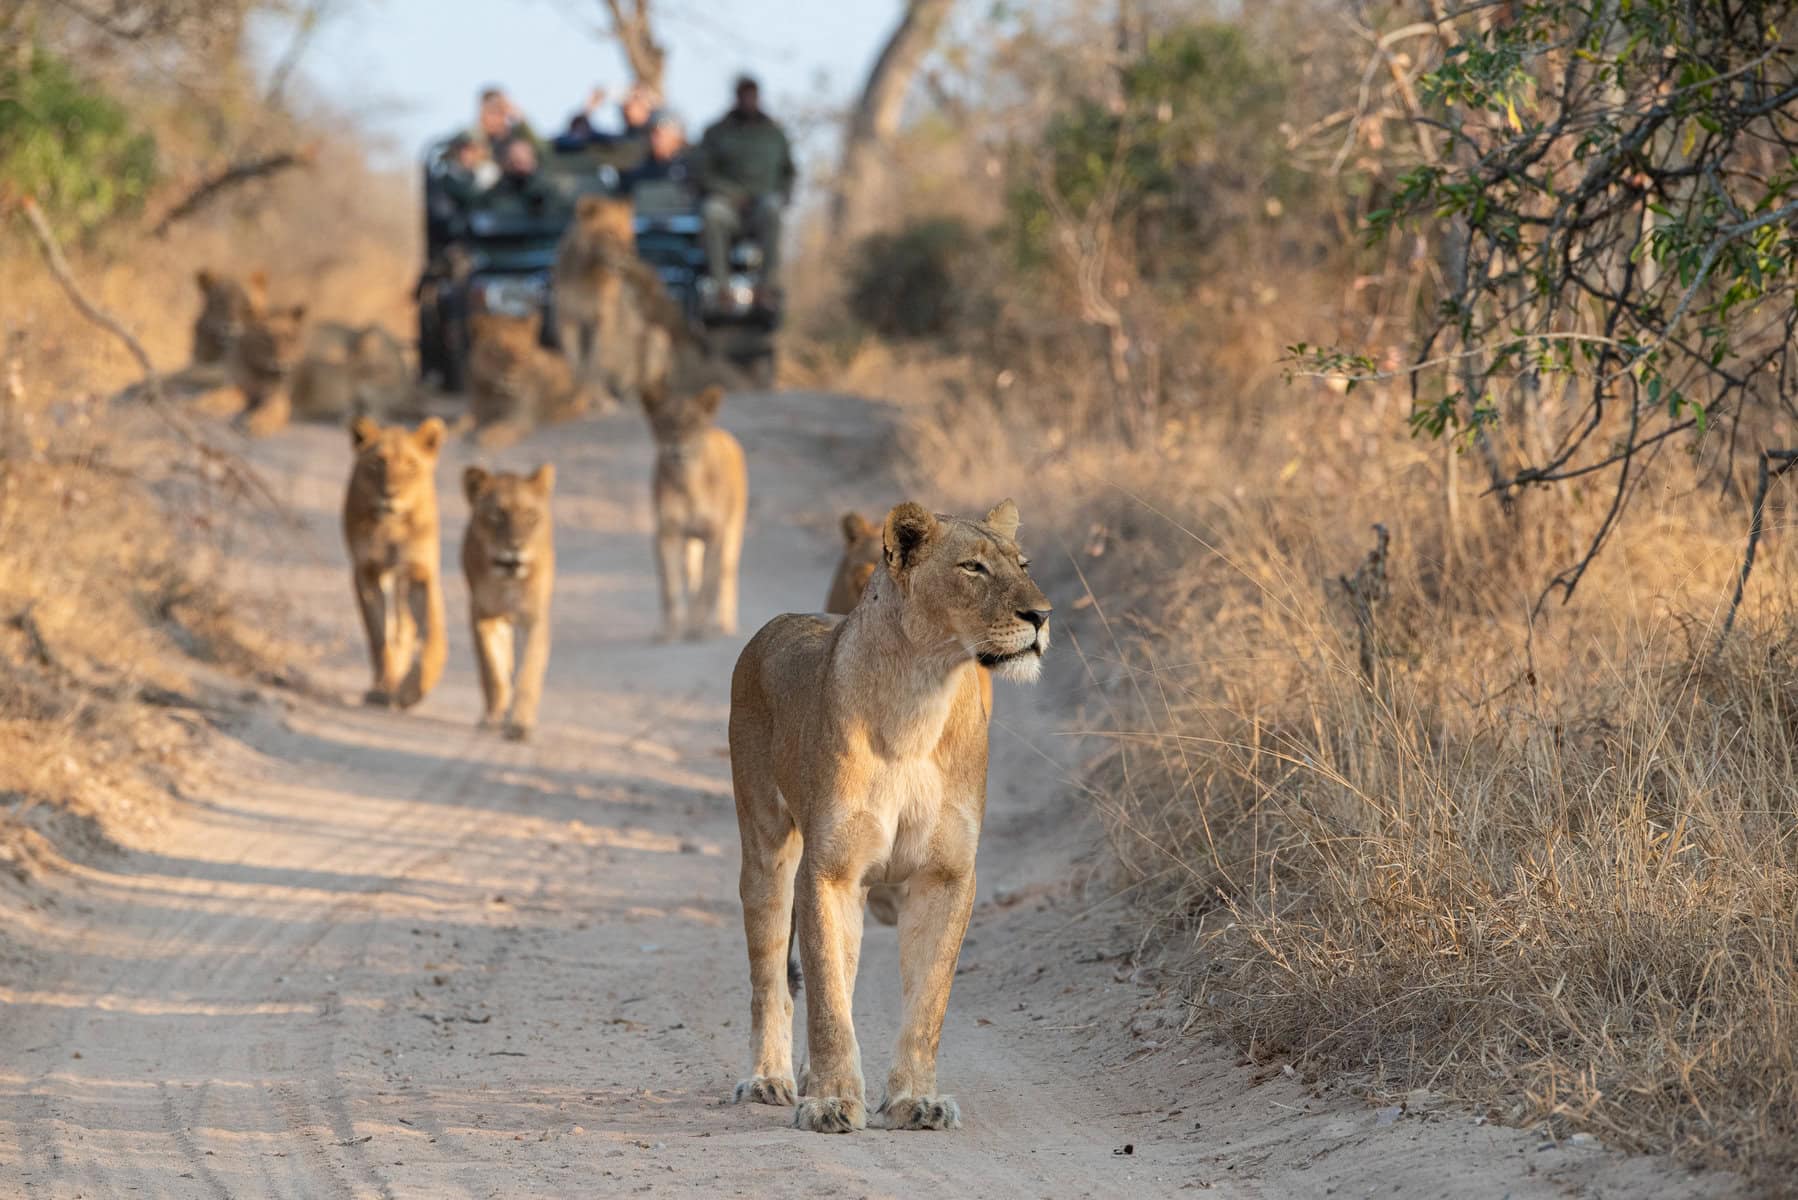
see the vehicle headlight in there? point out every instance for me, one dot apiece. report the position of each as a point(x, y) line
point(510, 297)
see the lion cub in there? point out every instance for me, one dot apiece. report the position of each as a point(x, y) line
point(226, 306)
point(390, 525)
point(701, 493)
point(514, 382)
point(262, 359)
point(858, 755)
point(350, 371)
point(509, 557)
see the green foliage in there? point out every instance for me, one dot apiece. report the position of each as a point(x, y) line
point(70, 146)
point(913, 283)
point(1198, 102)
point(1612, 195)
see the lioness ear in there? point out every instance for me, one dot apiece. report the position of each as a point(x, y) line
point(473, 480)
point(1003, 520)
point(909, 528)
point(855, 528)
point(363, 431)
point(588, 206)
point(429, 436)
point(709, 400)
point(544, 479)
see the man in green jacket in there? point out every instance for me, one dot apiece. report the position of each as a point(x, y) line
point(745, 168)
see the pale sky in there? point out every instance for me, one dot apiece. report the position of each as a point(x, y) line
point(409, 69)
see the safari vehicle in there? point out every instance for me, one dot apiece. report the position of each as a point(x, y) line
point(671, 238)
point(496, 257)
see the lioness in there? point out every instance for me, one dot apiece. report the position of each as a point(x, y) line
point(509, 557)
point(619, 327)
point(858, 755)
point(226, 306)
point(262, 359)
point(390, 525)
point(701, 494)
point(349, 371)
point(515, 382)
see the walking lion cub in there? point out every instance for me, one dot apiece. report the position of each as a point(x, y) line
point(858, 755)
point(701, 494)
point(509, 557)
point(390, 525)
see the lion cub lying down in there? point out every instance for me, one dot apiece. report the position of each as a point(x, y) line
point(509, 557)
point(390, 524)
point(858, 756)
point(701, 494)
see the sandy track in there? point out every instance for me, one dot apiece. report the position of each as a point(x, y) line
point(385, 955)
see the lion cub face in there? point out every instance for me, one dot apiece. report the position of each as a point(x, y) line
point(861, 554)
point(509, 518)
point(968, 582)
point(604, 219)
point(678, 420)
point(396, 467)
point(272, 341)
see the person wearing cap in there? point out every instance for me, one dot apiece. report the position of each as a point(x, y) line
point(745, 168)
point(666, 160)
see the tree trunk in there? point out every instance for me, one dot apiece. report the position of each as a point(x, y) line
point(631, 26)
point(876, 116)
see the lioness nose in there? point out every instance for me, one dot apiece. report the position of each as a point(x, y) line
point(1038, 617)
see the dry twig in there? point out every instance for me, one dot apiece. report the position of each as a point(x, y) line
point(232, 176)
point(1787, 459)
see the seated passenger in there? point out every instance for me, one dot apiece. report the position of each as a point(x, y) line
point(745, 168)
point(666, 161)
point(520, 180)
point(635, 112)
point(499, 122)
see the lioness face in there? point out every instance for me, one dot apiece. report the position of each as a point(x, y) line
point(677, 420)
point(395, 464)
point(275, 337)
point(605, 218)
point(861, 554)
point(508, 515)
point(969, 582)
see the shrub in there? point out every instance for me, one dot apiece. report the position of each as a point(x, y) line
point(69, 146)
point(913, 283)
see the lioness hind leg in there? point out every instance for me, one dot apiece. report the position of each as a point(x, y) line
point(932, 921)
point(771, 849)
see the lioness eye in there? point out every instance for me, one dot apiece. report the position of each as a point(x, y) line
point(1023, 564)
point(973, 567)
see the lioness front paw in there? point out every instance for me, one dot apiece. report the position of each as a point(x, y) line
point(517, 733)
point(830, 1114)
point(766, 1089)
point(921, 1112)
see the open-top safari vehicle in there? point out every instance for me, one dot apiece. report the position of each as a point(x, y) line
point(497, 256)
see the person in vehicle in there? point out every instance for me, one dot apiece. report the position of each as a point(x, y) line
point(521, 180)
point(666, 160)
point(636, 113)
point(498, 122)
point(745, 168)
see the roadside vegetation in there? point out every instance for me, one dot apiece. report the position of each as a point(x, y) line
point(120, 630)
point(1397, 386)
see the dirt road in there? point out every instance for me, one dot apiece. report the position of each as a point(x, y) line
point(382, 955)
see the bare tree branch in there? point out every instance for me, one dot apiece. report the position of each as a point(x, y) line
point(235, 175)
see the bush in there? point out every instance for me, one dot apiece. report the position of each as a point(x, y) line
point(913, 283)
point(70, 147)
